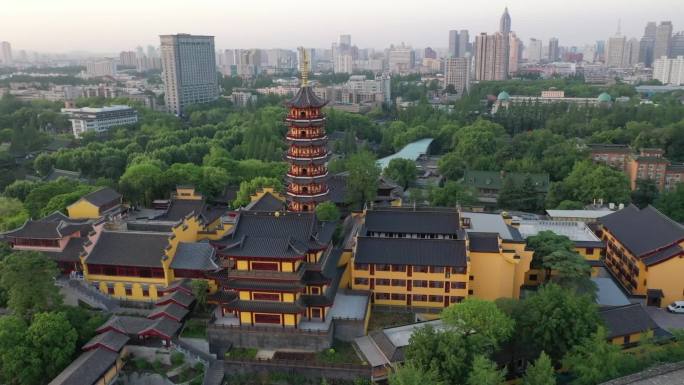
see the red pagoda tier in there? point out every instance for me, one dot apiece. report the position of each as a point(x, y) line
point(307, 153)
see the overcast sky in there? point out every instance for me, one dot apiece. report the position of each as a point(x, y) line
point(115, 25)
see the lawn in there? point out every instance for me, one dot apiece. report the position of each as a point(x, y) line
point(248, 353)
point(381, 319)
point(340, 353)
point(195, 328)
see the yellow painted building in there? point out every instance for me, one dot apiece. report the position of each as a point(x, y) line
point(645, 251)
point(429, 258)
point(95, 204)
point(627, 325)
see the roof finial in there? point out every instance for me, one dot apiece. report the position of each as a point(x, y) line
point(304, 66)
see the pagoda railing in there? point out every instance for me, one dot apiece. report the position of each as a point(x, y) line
point(306, 154)
point(308, 192)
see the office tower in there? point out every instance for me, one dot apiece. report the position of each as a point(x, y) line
point(139, 51)
point(600, 50)
point(345, 40)
point(505, 30)
point(152, 51)
point(630, 56)
point(463, 43)
point(128, 58)
point(248, 62)
point(669, 71)
point(429, 53)
point(534, 51)
point(401, 59)
point(515, 53)
point(454, 44)
point(677, 46)
point(554, 52)
point(343, 55)
point(647, 44)
point(663, 40)
point(189, 71)
point(99, 68)
point(616, 51)
point(5, 53)
point(457, 74)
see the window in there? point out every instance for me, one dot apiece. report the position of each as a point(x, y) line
point(470, 292)
point(269, 266)
point(437, 269)
point(626, 340)
point(361, 281)
point(110, 290)
point(266, 296)
point(382, 296)
point(382, 267)
point(361, 266)
point(533, 277)
point(590, 250)
point(458, 285)
point(420, 269)
point(400, 268)
point(398, 297)
point(315, 290)
point(398, 282)
point(382, 282)
point(455, 299)
point(437, 284)
point(267, 318)
point(420, 283)
point(458, 270)
point(315, 313)
point(145, 292)
point(420, 297)
point(129, 291)
point(472, 277)
point(436, 298)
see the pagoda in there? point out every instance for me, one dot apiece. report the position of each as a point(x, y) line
point(307, 153)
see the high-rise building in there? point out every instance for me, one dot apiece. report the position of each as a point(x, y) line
point(663, 40)
point(554, 52)
point(669, 71)
point(345, 40)
point(630, 56)
point(647, 44)
point(128, 58)
point(106, 67)
point(429, 53)
point(401, 59)
point(616, 51)
point(463, 43)
point(489, 57)
point(600, 50)
point(5, 53)
point(534, 51)
point(343, 55)
point(505, 31)
point(515, 53)
point(454, 43)
point(152, 51)
point(189, 71)
point(457, 74)
point(677, 46)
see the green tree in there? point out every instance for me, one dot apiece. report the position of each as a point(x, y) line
point(17, 365)
point(43, 164)
point(139, 184)
point(546, 242)
point(402, 171)
point(247, 189)
point(327, 211)
point(588, 181)
point(200, 289)
point(408, 374)
point(540, 372)
point(451, 166)
point(484, 372)
point(570, 271)
point(480, 318)
point(12, 214)
point(452, 194)
point(20, 189)
point(646, 193)
point(28, 279)
point(362, 181)
point(595, 360)
point(52, 341)
point(671, 203)
point(555, 320)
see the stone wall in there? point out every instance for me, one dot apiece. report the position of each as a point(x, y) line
point(348, 329)
point(221, 338)
point(306, 369)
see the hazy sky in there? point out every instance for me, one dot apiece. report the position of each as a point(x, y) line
point(115, 25)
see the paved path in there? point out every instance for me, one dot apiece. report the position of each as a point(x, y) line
point(665, 319)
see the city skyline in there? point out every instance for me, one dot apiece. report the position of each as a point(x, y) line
point(274, 24)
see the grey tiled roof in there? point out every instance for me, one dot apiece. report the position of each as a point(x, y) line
point(164, 326)
point(267, 202)
point(87, 368)
point(126, 324)
point(71, 253)
point(484, 242)
point(408, 221)
point(194, 256)
point(306, 97)
point(102, 197)
point(37, 230)
point(180, 208)
point(110, 339)
point(411, 251)
point(624, 320)
point(176, 311)
point(643, 231)
point(179, 297)
point(129, 249)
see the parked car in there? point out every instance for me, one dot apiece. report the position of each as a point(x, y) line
point(676, 307)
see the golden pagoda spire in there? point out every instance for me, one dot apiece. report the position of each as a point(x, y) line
point(304, 66)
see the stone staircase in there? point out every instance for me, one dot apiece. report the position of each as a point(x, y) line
point(214, 374)
point(91, 296)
